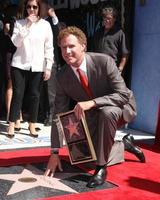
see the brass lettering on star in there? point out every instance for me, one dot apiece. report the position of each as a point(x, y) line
point(27, 180)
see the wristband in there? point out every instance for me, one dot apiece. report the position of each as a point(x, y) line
point(55, 151)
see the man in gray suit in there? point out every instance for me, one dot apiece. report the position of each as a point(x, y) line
point(110, 105)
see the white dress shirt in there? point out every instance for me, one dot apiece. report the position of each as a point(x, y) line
point(55, 20)
point(34, 46)
point(83, 67)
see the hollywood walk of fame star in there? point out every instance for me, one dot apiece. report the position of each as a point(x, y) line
point(32, 173)
point(72, 127)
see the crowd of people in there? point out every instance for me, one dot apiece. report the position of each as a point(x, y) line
point(32, 59)
point(46, 89)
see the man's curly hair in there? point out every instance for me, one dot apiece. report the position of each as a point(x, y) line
point(72, 30)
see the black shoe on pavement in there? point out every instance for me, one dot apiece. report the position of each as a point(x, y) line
point(98, 178)
point(130, 146)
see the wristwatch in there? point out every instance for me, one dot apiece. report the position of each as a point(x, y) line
point(54, 151)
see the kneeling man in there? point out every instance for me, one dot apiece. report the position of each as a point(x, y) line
point(105, 99)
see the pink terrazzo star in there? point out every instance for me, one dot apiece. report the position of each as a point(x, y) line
point(38, 180)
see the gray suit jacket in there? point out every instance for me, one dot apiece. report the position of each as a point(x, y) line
point(106, 83)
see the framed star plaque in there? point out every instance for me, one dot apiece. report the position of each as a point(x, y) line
point(77, 138)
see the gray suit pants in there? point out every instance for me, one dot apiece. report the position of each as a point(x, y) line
point(103, 128)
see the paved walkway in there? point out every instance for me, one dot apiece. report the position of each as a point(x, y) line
point(23, 139)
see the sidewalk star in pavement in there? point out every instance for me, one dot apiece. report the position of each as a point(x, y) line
point(32, 177)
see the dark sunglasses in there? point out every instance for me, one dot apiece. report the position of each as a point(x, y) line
point(34, 7)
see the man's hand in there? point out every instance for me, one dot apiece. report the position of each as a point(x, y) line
point(82, 106)
point(47, 75)
point(53, 163)
point(51, 12)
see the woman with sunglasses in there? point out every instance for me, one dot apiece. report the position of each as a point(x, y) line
point(31, 63)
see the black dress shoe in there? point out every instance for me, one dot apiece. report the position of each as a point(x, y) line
point(130, 146)
point(98, 178)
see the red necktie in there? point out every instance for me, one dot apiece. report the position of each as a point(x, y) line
point(84, 81)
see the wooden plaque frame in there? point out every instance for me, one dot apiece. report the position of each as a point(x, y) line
point(77, 138)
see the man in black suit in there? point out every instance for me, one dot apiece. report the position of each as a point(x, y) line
point(108, 105)
point(2, 68)
point(48, 89)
